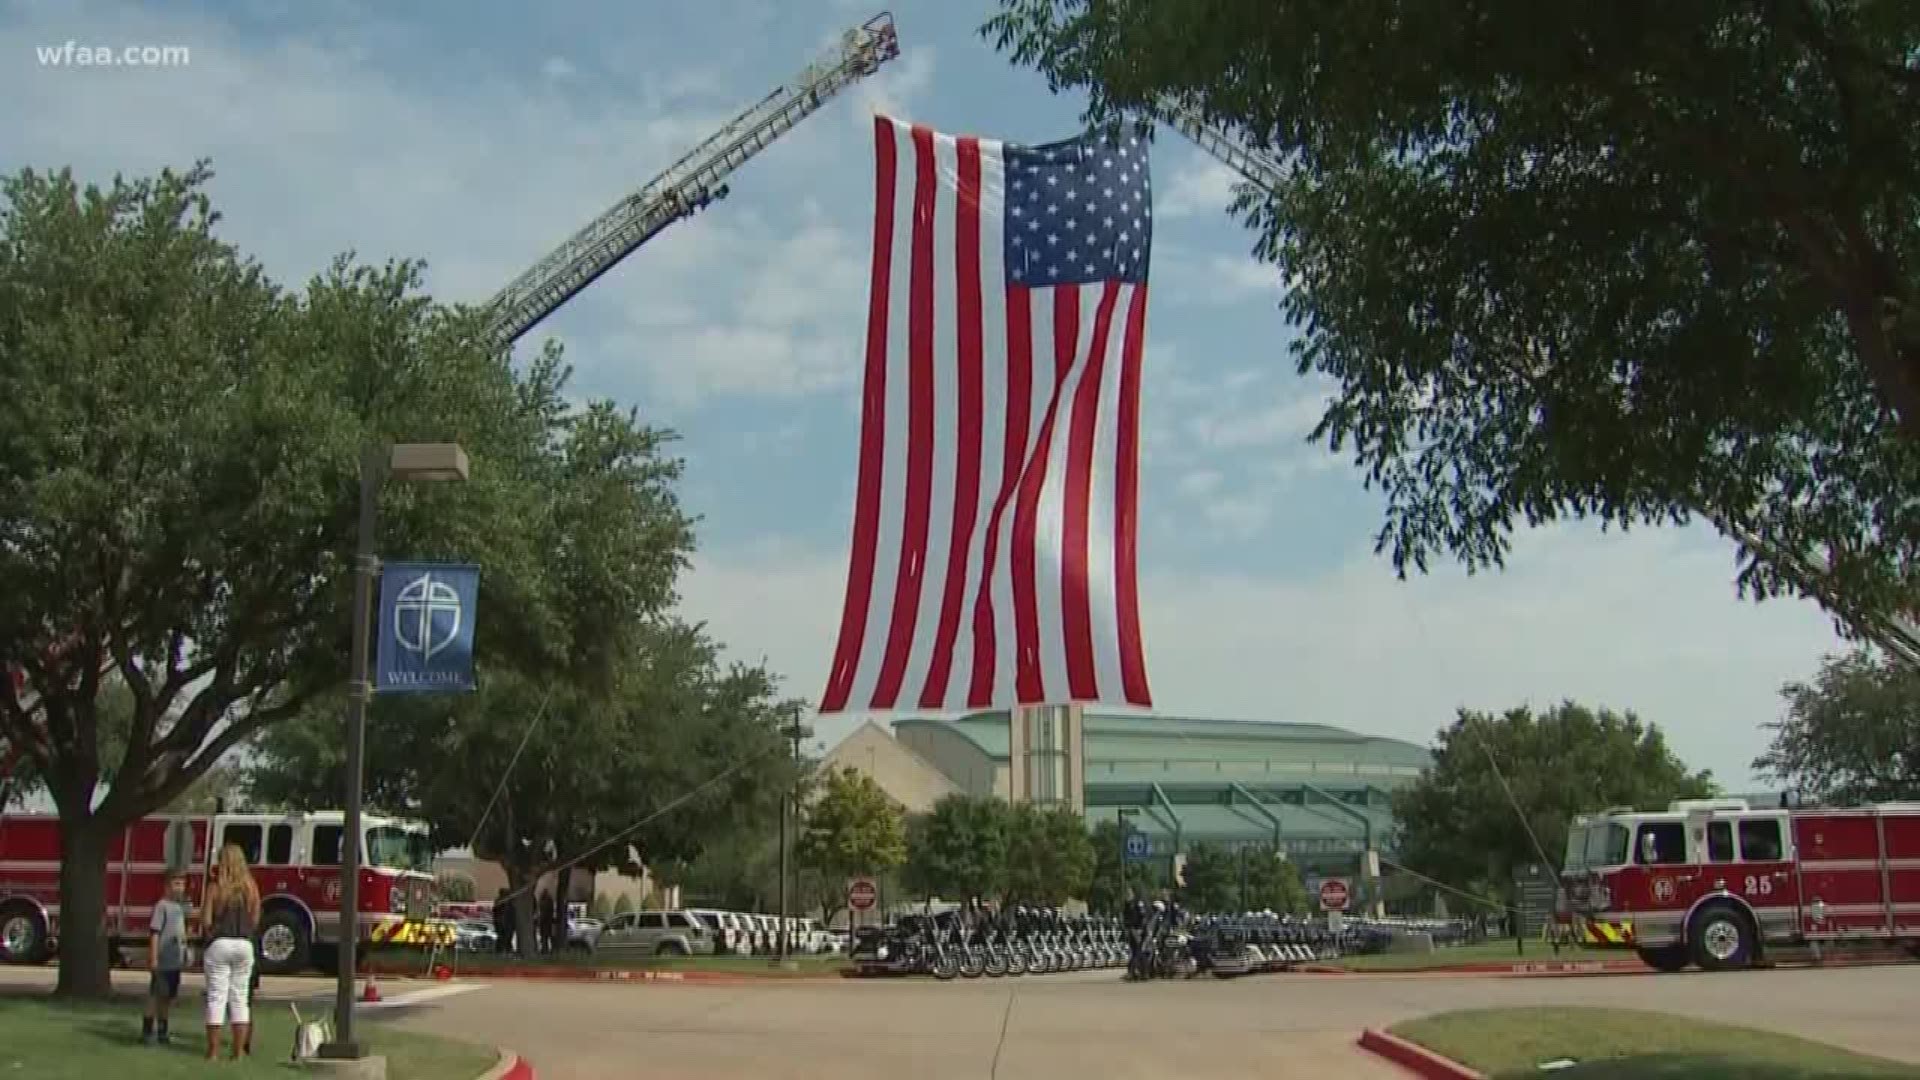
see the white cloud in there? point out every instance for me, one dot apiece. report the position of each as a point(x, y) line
point(322, 150)
point(896, 90)
point(1645, 621)
point(1196, 185)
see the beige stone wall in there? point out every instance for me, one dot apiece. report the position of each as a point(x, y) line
point(964, 764)
point(904, 775)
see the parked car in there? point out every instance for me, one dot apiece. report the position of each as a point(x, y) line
point(472, 935)
point(584, 934)
point(656, 933)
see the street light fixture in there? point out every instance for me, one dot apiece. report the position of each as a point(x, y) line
point(797, 730)
point(414, 463)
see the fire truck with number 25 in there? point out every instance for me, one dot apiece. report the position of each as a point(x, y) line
point(1718, 883)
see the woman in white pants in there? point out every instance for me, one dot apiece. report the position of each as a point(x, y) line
point(232, 912)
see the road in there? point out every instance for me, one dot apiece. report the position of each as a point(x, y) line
point(1081, 1024)
point(1093, 1025)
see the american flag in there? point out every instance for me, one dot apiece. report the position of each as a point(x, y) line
point(995, 515)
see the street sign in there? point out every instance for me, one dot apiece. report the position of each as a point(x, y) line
point(1139, 848)
point(861, 893)
point(1333, 894)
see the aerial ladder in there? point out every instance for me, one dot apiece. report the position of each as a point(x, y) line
point(1811, 572)
point(687, 186)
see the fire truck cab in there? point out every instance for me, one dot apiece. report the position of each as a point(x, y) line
point(295, 859)
point(1714, 882)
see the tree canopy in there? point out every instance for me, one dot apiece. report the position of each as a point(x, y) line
point(958, 849)
point(1458, 823)
point(1050, 857)
point(1635, 260)
point(852, 828)
point(179, 445)
point(1851, 735)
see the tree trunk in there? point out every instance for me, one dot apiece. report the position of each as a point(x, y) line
point(520, 881)
point(84, 952)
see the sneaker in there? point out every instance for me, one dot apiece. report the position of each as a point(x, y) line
point(166, 1037)
point(147, 1038)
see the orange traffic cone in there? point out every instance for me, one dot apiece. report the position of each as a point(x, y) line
point(371, 993)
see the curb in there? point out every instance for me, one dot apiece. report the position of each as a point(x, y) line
point(573, 974)
point(511, 1066)
point(1543, 967)
point(1415, 1058)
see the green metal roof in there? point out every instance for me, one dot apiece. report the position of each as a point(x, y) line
point(1134, 745)
point(1237, 823)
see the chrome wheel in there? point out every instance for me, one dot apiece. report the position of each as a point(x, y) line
point(277, 943)
point(1721, 939)
point(17, 936)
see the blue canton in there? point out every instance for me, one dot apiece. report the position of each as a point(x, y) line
point(1078, 212)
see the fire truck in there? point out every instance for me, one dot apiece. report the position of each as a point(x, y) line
point(1718, 883)
point(295, 859)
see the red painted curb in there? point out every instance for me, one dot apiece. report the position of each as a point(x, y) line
point(1416, 1059)
point(519, 1070)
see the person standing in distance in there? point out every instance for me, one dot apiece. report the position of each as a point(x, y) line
point(166, 955)
point(232, 907)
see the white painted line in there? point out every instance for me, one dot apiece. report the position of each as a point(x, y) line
point(420, 997)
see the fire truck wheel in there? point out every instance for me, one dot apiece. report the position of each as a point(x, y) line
point(23, 935)
point(1667, 958)
point(1721, 938)
point(286, 945)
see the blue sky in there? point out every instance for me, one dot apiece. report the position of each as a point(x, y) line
point(478, 135)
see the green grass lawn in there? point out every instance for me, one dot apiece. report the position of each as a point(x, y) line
point(44, 1040)
point(1622, 1044)
point(1494, 952)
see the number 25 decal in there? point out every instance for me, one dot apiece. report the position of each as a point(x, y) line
point(1762, 885)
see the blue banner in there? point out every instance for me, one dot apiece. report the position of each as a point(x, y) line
point(425, 630)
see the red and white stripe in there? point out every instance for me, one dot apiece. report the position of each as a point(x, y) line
point(994, 531)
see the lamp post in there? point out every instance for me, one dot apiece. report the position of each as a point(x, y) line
point(796, 730)
point(413, 462)
point(1120, 884)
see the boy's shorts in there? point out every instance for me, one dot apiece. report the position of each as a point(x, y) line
point(164, 985)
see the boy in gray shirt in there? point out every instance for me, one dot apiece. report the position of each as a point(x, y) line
point(166, 955)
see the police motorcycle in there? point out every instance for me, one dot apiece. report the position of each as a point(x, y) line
point(901, 949)
point(1004, 955)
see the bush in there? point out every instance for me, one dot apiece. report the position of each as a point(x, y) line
point(602, 905)
point(623, 905)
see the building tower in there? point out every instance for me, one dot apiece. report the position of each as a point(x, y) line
point(1046, 756)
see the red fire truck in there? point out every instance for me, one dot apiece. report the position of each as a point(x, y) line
point(1716, 882)
point(295, 859)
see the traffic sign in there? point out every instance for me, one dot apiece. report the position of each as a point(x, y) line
point(1333, 894)
point(861, 893)
point(1139, 848)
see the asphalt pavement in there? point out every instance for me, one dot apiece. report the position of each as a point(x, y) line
point(1083, 1024)
point(1094, 1025)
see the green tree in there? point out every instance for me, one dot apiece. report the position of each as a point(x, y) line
point(1458, 824)
point(1565, 259)
point(1049, 856)
point(614, 733)
point(959, 848)
point(1212, 879)
point(852, 828)
point(179, 443)
point(1102, 893)
point(1271, 883)
point(1852, 735)
point(455, 886)
point(624, 905)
